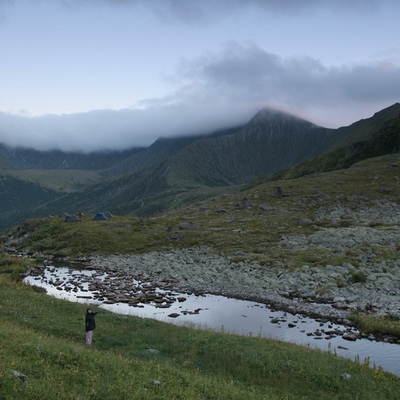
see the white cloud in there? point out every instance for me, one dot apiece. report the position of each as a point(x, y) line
point(216, 91)
point(105, 64)
point(248, 74)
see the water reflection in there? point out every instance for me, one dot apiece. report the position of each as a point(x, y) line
point(235, 316)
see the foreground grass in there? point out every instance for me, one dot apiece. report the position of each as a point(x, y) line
point(43, 338)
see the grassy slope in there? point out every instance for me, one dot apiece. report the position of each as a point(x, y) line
point(229, 227)
point(43, 337)
point(67, 180)
point(365, 128)
point(384, 141)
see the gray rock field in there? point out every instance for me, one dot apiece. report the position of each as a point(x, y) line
point(331, 291)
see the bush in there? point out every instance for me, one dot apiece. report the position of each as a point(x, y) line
point(358, 277)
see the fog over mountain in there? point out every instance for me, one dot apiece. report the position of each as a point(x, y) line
point(113, 130)
point(112, 74)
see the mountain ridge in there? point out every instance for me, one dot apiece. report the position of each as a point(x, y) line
point(175, 171)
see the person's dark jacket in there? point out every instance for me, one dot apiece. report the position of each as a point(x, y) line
point(90, 323)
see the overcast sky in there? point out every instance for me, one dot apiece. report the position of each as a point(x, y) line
point(97, 74)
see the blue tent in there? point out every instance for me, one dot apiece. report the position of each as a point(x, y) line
point(99, 217)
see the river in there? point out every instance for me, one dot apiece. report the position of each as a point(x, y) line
point(232, 315)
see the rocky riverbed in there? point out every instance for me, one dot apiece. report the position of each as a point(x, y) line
point(331, 291)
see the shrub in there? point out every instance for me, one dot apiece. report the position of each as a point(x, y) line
point(358, 277)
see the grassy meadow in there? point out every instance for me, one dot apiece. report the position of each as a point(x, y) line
point(136, 358)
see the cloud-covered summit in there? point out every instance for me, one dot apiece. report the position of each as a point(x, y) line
point(116, 73)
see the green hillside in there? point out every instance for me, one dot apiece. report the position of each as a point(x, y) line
point(365, 128)
point(384, 141)
point(252, 221)
point(61, 180)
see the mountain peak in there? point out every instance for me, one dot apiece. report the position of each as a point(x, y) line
point(268, 114)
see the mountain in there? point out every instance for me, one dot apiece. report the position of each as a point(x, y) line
point(18, 199)
point(26, 158)
point(158, 152)
point(384, 141)
point(269, 142)
point(179, 171)
point(365, 128)
point(171, 172)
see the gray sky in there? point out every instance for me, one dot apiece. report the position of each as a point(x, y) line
point(99, 74)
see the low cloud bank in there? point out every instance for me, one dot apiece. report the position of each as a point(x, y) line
point(217, 91)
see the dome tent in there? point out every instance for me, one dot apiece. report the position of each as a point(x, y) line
point(102, 216)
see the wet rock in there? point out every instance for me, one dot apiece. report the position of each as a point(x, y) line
point(352, 337)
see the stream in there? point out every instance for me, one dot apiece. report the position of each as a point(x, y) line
point(219, 313)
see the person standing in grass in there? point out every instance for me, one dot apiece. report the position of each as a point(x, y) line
point(90, 325)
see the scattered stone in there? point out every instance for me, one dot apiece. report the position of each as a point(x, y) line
point(352, 337)
point(181, 299)
point(19, 375)
point(245, 203)
point(265, 207)
point(189, 226)
point(152, 351)
point(277, 192)
point(176, 236)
